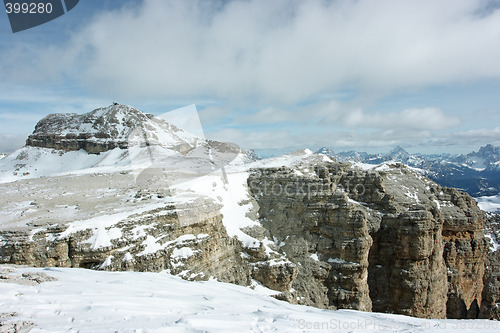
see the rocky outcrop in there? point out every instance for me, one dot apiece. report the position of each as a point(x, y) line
point(385, 240)
point(151, 241)
point(97, 131)
point(117, 126)
point(321, 232)
point(465, 253)
point(490, 305)
point(325, 234)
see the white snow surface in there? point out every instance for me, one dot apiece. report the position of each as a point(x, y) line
point(489, 203)
point(95, 301)
point(386, 166)
point(494, 246)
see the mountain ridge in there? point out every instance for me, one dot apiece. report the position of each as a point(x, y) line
point(477, 173)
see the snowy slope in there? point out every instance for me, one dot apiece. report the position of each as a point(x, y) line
point(92, 301)
point(489, 203)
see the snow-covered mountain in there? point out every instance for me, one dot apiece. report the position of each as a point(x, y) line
point(477, 173)
point(117, 137)
point(141, 194)
point(252, 154)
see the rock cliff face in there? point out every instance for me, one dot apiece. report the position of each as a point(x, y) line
point(151, 241)
point(325, 234)
point(321, 232)
point(490, 305)
point(97, 131)
point(115, 126)
point(384, 240)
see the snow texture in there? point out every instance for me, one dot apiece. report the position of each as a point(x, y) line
point(95, 301)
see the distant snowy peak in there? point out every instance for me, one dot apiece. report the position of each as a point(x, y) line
point(251, 153)
point(489, 150)
point(486, 158)
point(478, 173)
point(398, 154)
point(103, 129)
point(326, 151)
point(2, 155)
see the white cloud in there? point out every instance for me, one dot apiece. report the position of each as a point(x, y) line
point(270, 57)
point(270, 115)
point(273, 51)
point(10, 142)
point(416, 119)
point(256, 139)
point(475, 137)
point(376, 140)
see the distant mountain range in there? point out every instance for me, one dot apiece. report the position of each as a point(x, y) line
point(477, 173)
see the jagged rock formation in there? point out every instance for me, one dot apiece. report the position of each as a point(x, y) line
point(385, 240)
point(477, 173)
point(119, 135)
point(97, 131)
point(323, 234)
point(151, 241)
point(490, 305)
point(465, 254)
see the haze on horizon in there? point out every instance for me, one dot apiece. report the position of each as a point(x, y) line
point(280, 75)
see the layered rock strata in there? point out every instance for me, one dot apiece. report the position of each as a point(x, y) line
point(385, 240)
point(490, 304)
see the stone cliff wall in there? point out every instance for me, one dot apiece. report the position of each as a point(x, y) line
point(72, 142)
point(490, 304)
point(323, 234)
point(387, 240)
point(465, 252)
point(153, 241)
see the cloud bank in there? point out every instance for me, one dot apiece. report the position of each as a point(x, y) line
point(279, 61)
point(273, 51)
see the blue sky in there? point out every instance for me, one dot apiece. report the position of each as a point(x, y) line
point(271, 75)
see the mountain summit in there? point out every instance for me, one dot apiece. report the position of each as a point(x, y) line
point(103, 129)
point(111, 138)
point(398, 154)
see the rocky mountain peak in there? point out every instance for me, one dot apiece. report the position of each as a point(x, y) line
point(102, 129)
point(488, 151)
point(398, 153)
point(326, 151)
point(253, 155)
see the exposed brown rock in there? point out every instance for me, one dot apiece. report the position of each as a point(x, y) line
point(490, 305)
point(386, 240)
